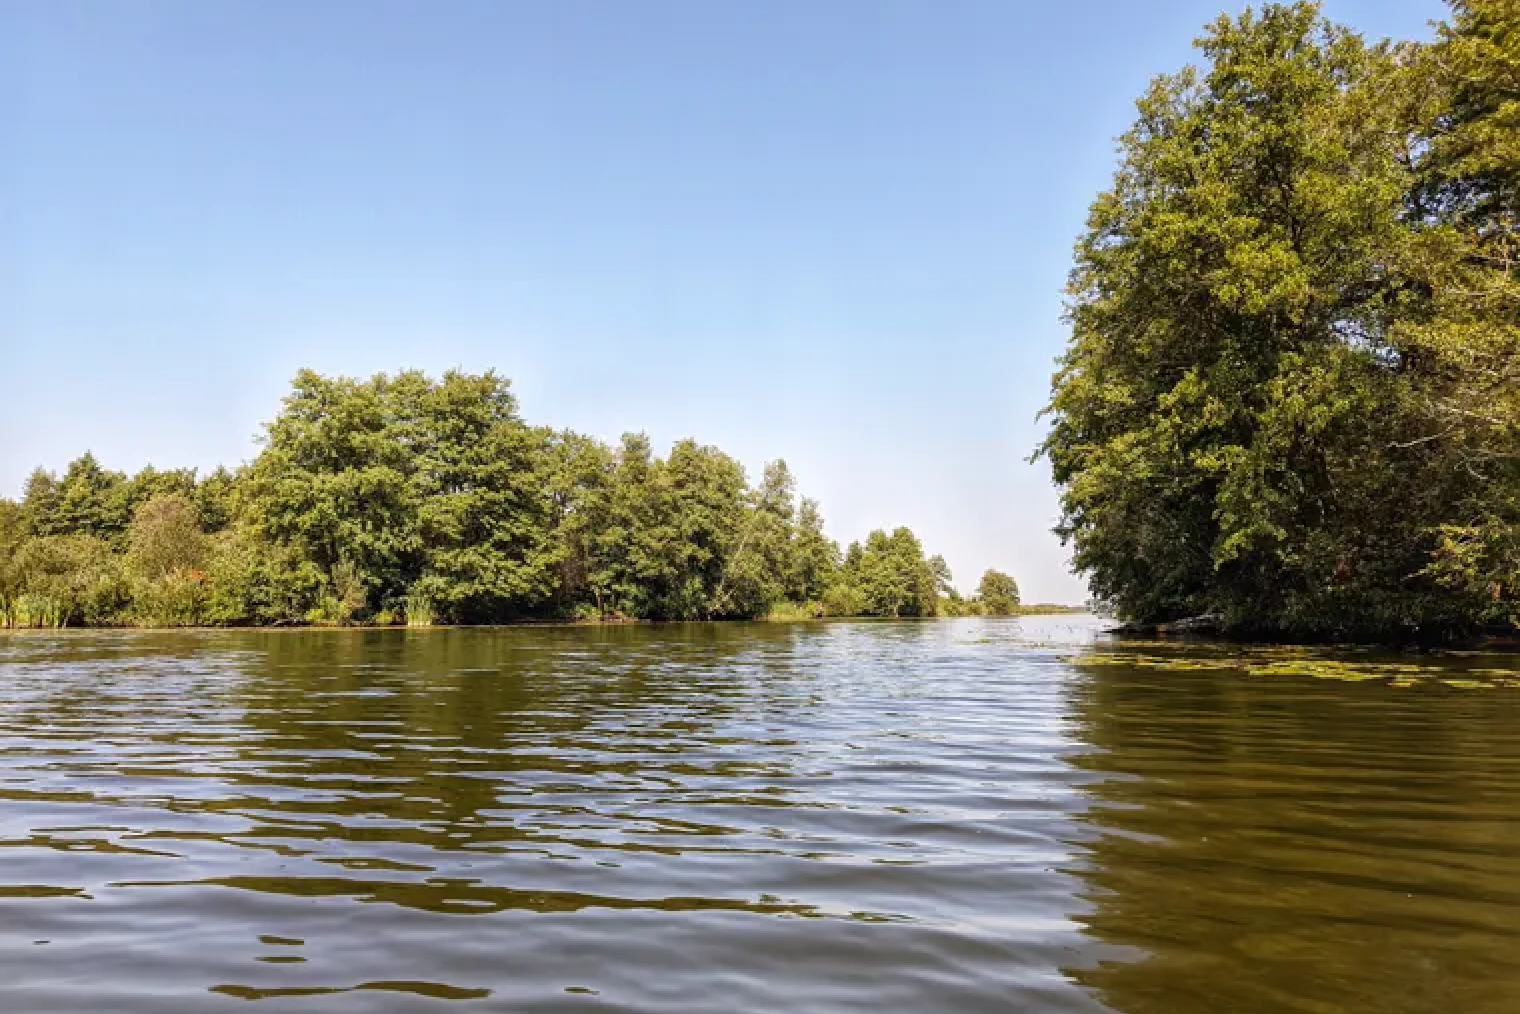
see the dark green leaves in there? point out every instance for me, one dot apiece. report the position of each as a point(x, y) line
point(1292, 393)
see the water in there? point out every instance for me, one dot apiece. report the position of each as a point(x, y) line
point(957, 816)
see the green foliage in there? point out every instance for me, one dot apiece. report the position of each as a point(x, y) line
point(13, 531)
point(69, 579)
point(254, 581)
point(213, 498)
point(88, 499)
point(165, 537)
point(791, 612)
point(166, 552)
point(885, 576)
point(404, 498)
point(1290, 394)
point(419, 609)
point(761, 566)
point(815, 557)
point(175, 599)
point(999, 594)
point(843, 599)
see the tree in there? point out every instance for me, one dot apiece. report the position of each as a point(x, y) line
point(999, 593)
point(939, 573)
point(815, 556)
point(1237, 425)
point(214, 500)
point(408, 489)
point(69, 580)
point(478, 479)
point(165, 537)
point(166, 552)
point(410, 498)
point(761, 562)
point(580, 475)
point(629, 552)
point(331, 485)
point(706, 518)
point(12, 534)
point(88, 500)
point(1464, 255)
point(887, 576)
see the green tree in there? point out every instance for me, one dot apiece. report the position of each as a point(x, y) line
point(1234, 426)
point(166, 551)
point(761, 560)
point(706, 518)
point(151, 482)
point(815, 557)
point(1463, 335)
point(331, 484)
point(87, 500)
point(478, 476)
point(408, 497)
point(68, 580)
point(252, 580)
point(165, 536)
point(214, 498)
point(12, 534)
point(939, 572)
point(999, 593)
point(888, 576)
point(628, 553)
point(404, 489)
point(580, 475)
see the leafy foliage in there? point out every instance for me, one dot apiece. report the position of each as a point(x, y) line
point(1291, 392)
point(404, 498)
point(999, 593)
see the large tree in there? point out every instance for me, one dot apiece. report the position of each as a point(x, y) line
point(1465, 252)
point(406, 489)
point(1236, 426)
point(999, 593)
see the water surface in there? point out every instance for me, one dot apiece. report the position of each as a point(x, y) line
point(956, 816)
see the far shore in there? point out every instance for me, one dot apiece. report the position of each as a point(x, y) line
point(1040, 609)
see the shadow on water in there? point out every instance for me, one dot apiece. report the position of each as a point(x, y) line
point(1290, 843)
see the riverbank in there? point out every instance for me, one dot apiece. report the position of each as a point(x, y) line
point(1212, 627)
point(775, 617)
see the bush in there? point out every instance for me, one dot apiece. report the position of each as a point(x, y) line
point(252, 582)
point(843, 599)
point(70, 579)
point(176, 599)
point(419, 610)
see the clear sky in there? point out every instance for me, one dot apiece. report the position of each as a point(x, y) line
point(833, 231)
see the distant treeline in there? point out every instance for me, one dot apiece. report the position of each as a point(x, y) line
point(1292, 395)
point(407, 499)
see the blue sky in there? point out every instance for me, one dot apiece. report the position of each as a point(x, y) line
point(833, 231)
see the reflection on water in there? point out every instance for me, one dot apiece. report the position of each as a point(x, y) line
point(1302, 845)
point(958, 816)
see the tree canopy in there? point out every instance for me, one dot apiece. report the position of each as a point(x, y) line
point(406, 498)
point(999, 593)
point(1292, 392)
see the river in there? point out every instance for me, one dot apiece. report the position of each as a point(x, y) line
point(940, 817)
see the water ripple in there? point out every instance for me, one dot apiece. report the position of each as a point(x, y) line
point(963, 816)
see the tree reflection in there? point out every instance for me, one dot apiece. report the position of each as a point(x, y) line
point(1293, 844)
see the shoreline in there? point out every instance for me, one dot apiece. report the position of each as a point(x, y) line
point(518, 624)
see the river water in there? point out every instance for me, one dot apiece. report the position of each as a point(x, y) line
point(953, 816)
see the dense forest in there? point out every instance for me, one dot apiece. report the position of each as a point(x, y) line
point(1291, 400)
point(408, 499)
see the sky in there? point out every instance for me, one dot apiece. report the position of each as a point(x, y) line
point(831, 231)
